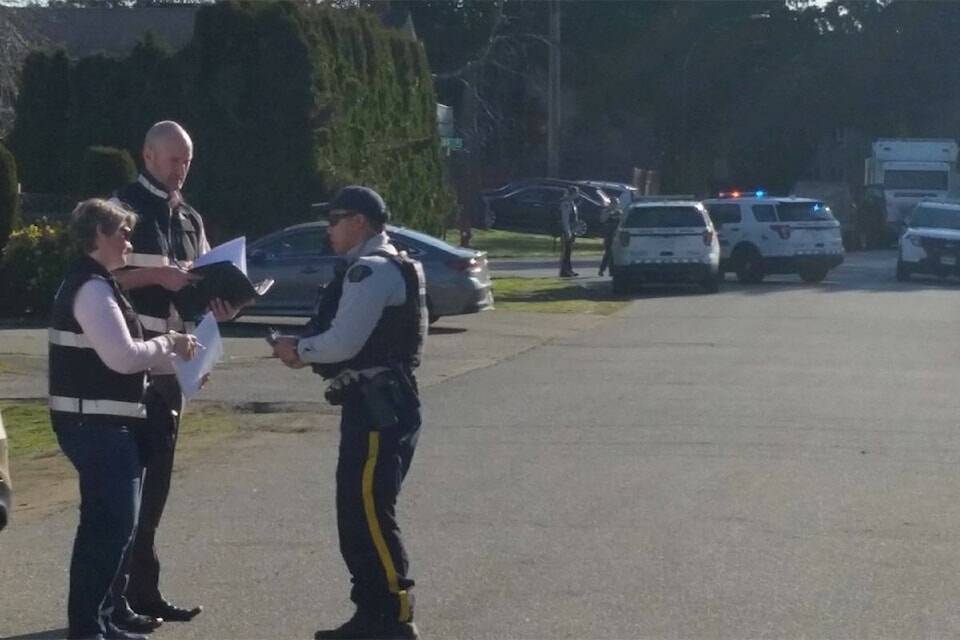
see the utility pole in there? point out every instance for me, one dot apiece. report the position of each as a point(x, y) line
point(553, 93)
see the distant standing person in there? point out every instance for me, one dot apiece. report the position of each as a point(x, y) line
point(610, 220)
point(568, 223)
point(168, 239)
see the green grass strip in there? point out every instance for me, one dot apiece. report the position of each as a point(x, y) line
point(554, 295)
point(510, 244)
point(29, 433)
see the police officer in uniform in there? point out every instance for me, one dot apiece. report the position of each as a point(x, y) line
point(168, 239)
point(366, 337)
point(97, 362)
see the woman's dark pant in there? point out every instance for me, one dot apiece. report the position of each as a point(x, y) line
point(108, 465)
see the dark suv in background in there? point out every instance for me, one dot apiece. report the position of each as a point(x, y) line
point(534, 205)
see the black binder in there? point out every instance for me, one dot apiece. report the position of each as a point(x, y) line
point(219, 280)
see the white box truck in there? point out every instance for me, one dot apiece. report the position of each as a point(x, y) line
point(906, 171)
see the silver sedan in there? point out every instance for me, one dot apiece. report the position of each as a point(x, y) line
point(300, 261)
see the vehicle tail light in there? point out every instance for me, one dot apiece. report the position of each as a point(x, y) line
point(624, 238)
point(465, 264)
point(708, 237)
point(783, 230)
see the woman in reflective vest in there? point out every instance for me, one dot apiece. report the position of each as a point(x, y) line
point(98, 360)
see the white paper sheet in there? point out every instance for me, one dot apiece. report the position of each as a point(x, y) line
point(234, 251)
point(190, 372)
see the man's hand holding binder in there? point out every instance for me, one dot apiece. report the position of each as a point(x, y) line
point(222, 288)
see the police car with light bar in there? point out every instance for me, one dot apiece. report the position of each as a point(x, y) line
point(669, 241)
point(761, 235)
point(931, 243)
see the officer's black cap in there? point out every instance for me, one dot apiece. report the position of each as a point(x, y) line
point(363, 200)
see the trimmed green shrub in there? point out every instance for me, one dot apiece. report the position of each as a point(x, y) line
point(9, 196)
point(104, 170)
point(33, 265)
point(286, 102)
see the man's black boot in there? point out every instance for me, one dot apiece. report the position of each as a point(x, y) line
point(370, 627)
point(114, 632)
point(167, 611)
point(135, 622)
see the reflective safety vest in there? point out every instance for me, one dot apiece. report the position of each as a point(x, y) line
point(163, 236)
point(83, 389)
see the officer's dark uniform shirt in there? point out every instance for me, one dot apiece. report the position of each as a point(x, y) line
point(372, 284)
point(166, 234)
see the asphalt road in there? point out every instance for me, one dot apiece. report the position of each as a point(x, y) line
point(774, 461)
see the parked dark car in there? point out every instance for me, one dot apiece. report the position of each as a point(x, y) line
point(300, 261)
point(534, 206)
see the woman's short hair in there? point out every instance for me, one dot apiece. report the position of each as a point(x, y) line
point(94, 215)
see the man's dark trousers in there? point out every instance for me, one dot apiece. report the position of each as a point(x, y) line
point(370, 470)
point(163, 413)
point(566, 251)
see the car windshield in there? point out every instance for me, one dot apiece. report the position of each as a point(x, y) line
point(594, 195)
point(613, 194)
point(936, 218)
point(803, 211)
point(913, 179)
point(658, 217)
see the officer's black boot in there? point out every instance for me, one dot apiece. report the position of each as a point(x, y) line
point(364, 626)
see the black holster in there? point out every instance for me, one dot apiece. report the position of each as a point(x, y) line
point(386, 398)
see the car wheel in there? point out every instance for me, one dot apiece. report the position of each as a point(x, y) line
point(749, 267)
point(712, 283)
point(620, 284)
point(813, 274)
point(431, 314)
point(903, 271)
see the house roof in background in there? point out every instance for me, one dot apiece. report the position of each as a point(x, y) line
point(86, 31)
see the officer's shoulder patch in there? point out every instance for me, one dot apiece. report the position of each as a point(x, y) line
point(358, 272)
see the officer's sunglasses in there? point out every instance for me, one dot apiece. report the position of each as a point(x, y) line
point(336, 216)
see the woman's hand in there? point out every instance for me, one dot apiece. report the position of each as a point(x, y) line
point(185, 345)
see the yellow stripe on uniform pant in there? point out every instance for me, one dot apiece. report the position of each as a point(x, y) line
point(373, 450)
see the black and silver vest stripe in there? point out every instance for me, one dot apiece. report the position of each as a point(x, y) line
point(398, 337)
point(82, 388)
point(162, 237)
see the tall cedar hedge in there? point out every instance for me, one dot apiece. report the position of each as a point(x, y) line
point(9, 198)
point(285, 103)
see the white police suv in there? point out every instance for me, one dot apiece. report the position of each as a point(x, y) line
point(761, 235)
point(931, 242)
point(665, 242)
point(4, 478)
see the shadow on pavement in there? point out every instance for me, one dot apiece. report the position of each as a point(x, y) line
point(241, 329)
point(446, 331)
point(50, 634)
